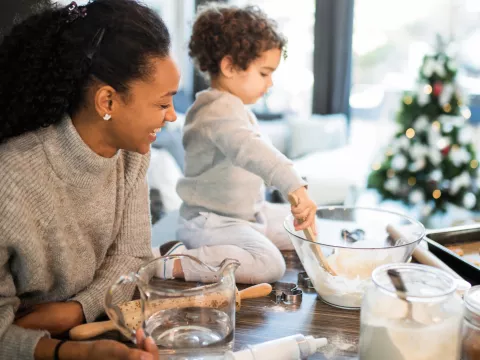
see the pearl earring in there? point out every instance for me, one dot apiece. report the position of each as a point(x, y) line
point(107, 117)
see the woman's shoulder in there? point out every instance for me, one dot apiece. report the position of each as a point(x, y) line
point(22, 164)
point(135, 166)
point(21, 154)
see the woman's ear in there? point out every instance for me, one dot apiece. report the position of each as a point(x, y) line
point(227, 68)
point(104, 101)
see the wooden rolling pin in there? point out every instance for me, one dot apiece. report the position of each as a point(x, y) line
point(422, 255)
point(311, 236)
point(132, 310)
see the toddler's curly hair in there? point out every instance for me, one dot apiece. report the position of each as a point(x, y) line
point(242, 33)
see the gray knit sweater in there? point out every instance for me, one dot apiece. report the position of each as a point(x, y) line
point(71, 222)
point(227, 160)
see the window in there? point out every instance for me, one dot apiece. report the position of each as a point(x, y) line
point(390, 39)
point(293, 81)
point(178, 16)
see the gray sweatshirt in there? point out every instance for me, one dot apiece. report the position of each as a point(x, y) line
point(71, 222)
point(227, 160)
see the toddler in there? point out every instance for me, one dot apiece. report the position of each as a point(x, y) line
point(227, 161)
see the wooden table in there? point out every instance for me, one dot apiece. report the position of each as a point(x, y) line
point(261, 320)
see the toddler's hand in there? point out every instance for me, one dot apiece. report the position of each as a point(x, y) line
point(304, 212)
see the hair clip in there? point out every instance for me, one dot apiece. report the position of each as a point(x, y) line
point(74, 12)
point(97, 39)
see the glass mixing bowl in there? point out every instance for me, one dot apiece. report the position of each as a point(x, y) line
point(353, 241)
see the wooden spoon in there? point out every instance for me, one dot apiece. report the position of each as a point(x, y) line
point(311, 236)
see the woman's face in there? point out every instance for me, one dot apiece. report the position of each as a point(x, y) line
point(139, 115)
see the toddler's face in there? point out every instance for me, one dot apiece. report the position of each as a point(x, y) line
point(251, 84)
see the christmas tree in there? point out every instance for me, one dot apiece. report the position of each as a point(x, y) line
point(431, 160)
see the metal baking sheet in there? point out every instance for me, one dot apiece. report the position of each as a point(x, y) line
point(467, 238)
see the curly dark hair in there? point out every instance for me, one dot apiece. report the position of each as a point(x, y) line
point(48, 62)
point(16, 11)
point(242, 33)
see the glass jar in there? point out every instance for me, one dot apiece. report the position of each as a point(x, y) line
point(471, 324)
point(423, 323)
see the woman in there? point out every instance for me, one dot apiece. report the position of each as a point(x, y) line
point(83, 91)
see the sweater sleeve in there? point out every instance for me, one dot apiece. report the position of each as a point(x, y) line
point(130, 250)
point(229, 127)
point(16, 343)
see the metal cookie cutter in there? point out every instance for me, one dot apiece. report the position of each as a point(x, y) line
point(353, 236)
point(305, 283)
point(304, 280)
point(288, 293)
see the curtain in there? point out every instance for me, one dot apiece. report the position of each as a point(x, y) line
point(332, 56)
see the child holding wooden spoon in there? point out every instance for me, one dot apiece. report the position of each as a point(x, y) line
point(224, 212)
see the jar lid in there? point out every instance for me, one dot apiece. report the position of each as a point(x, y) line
point(472, 299)
point(422, 282)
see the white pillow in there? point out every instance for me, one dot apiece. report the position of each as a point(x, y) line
point(163, 174)
point(317, 133)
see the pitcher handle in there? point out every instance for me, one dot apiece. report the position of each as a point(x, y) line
point(114, 312)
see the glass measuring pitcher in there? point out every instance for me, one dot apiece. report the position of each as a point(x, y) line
point(182, 317)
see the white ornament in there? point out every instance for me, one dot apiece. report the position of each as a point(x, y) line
point(447, 127)
point(459, 156)
point(392, 185)
point(465, 135)
point(446, 94)
point(418, 150)
point(461, 181)
point(421, 123)
point(399, 162)
point(428, 67)
point(433, 135)
point(459, 121)
point(451, 65)
point(427, 210)
point(435, 156)
point(443, 142)
point(417, 165)
point(436, 175)
point(469, 200)
point(404, 142)
point(416, 196)
point(440, 68)
point(422, 97)
point(448, 122)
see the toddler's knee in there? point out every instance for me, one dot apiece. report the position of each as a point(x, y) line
point(269, 271)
